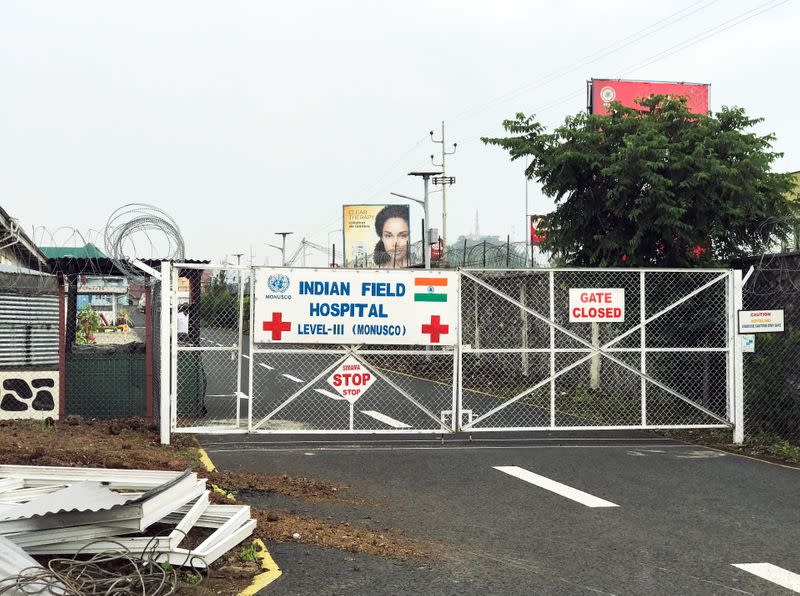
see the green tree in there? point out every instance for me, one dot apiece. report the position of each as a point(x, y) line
point(658, 187)
point(219, 303)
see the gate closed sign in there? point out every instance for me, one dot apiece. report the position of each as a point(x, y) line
point(596, 305)
point(351, 379)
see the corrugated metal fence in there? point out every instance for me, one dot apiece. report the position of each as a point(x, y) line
point(28, 330)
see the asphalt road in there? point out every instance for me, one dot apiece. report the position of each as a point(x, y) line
point(396, 401)
point(682, 516)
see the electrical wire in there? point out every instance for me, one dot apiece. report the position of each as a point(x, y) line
point(674, 49)
point(592, 58)
point(711, 32)
point(115, 571)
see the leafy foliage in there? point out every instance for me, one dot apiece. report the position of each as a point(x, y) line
point(89, 323)
point(660, 187)
point(772, 386)
point(219, 303)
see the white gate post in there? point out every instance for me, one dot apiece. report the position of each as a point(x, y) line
point(251, 349)
point(643, 344)
point(738, 361)
point(552, 313)
point(456, 422)
point(165, 351)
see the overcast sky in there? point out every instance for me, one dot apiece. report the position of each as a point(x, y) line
point(245, 118)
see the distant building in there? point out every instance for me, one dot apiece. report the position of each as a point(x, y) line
point(476, 237)
point(105, 294)
point(17, 250)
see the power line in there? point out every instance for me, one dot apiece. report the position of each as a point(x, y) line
point(368, 189)
point(593, 57)
point(687, 43)
point(716, 30)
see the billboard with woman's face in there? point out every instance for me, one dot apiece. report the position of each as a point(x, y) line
point(376, 236)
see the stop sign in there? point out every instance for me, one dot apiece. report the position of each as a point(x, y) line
point(351, 379)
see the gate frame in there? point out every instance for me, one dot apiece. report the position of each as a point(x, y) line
point(733, 350)
point(171, 316)
point(734, 362)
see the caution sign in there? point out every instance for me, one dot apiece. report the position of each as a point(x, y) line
point(596, 305)
point(760, 321)
point(351, 379)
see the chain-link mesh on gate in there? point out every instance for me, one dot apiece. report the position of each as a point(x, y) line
point(413, 389)
point(207, 369)
point(525, 366)
point(772, 371)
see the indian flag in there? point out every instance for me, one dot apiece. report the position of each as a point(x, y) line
point(430, 289)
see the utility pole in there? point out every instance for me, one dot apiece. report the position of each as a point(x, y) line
point(444, 180)
point(527, 228)
point(238, 256)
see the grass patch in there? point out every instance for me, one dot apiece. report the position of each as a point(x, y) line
point(767, 447)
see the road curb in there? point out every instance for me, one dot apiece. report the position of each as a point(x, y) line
point(205, 461)
point(271, 571)
point(270, 574)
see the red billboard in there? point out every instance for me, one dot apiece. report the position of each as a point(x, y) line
point(601, 92)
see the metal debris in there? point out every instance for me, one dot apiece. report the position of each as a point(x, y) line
point(65, 511)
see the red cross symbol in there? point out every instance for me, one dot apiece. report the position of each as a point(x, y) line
point(435, 329)
point(277, 326)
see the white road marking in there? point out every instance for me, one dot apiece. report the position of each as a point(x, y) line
point(560, 489)
point(385, 419)
point(330, 394)
point(267, 366)
point(772, 573)
point(291, 378)
point(704, 454)
point(245, 356)
point(218, 345)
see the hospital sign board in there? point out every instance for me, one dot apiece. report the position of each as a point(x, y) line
point(367, 306)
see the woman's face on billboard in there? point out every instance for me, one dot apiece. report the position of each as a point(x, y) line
point(395, 237)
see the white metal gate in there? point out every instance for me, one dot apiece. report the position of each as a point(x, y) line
point(674, 362)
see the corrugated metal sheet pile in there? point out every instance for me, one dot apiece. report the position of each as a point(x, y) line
point(65, 511)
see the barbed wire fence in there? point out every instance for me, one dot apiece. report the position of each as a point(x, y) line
point(484, 254)
point(83, 320)
point(772, 372)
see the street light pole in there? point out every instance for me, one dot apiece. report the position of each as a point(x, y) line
point(282, 247)
point(426, 176)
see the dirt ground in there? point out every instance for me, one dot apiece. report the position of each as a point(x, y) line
point(133, 444)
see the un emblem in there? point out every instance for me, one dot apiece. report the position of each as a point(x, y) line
point(278, 283)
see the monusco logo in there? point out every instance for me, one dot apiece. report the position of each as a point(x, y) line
point(277, 284)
